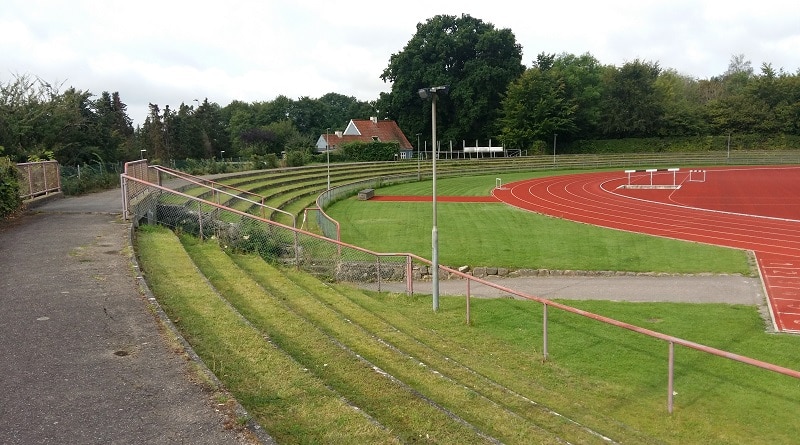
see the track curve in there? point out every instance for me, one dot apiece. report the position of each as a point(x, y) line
point(756, 209)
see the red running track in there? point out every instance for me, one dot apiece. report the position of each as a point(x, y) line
point(755, 209)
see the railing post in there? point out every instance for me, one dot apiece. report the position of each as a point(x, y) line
point(200, 218)
point(123, 185)
point(29, 170)
point(378, 258)
point(409, 276)
point(671, 377)
point(468, 292)
point(44, 178)
point(544, 333)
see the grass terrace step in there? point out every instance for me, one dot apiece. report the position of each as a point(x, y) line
point(283, 396)
point(389, 402)
point(500, 412)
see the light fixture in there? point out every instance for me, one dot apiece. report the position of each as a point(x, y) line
point(433, 94)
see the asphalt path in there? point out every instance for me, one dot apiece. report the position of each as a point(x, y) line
point(84, 358)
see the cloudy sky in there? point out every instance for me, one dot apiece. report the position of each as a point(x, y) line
point(172, 51)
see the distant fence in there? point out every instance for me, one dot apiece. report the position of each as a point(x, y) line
point(147, 201)
point(39, 178)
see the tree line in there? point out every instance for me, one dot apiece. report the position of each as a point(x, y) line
point(492, 95)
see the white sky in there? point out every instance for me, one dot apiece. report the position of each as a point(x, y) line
point(169, 51)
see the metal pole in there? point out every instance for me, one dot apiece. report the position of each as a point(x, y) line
point(434, 230)
point(328, 154)
point(468, 295)
point(544, 333)
point(671, 378)
point(555, 135)
point(419, 155)
point(729, 146)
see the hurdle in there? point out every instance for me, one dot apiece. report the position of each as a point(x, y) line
point(697, 176)
point(651, 171)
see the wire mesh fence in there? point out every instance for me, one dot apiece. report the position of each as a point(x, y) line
point(39, 178)
point(242, 232)
point(329, 226)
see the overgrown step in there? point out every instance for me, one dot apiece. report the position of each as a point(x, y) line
point(495, 409)
point(390, 403)
point(285, 399)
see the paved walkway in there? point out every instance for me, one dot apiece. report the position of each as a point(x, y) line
point(83, 359)
point(729, 289)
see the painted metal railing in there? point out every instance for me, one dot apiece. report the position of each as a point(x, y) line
point(39, 178)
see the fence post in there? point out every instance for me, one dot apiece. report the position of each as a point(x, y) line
point(409, 276)
point(544, 333)
point(671, 377)
point(123, 185)
point(200, 218)
point(468, 314)
point(378, 260)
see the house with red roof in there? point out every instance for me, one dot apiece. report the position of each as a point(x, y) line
point(366, 130)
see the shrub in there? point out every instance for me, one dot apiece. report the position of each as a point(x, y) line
point(10, 201)
point(369, 151)
point(89, 178)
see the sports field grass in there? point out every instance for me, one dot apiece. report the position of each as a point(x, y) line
point(495, 234)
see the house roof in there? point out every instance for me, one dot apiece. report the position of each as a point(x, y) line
point(368, 130)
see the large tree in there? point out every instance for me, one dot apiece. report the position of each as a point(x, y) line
point(632, 105)
point(537, 106)
point(476, 60)
point(583, 84)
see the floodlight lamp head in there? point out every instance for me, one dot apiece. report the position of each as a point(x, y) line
point(427, 93)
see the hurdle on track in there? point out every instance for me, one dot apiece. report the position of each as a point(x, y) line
point(697, 176)
point(651, 185)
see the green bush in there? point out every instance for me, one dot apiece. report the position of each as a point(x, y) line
point(89, 178)
point(370, 151)
point(267, 161)
point(295, 158)
point(10, 201)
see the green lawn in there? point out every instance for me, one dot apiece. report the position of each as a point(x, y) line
point(494, 234)
point(294, 359)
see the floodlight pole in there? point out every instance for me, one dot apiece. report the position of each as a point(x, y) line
point(432, 93)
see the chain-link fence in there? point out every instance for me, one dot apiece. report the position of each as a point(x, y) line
point(329, 226)
point(236, 230)
point(39, 178)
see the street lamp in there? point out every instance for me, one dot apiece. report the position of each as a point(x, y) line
point(328, 154)
point(433, 94)
point(222, 155)
point(142, 152)
point(555, 135)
